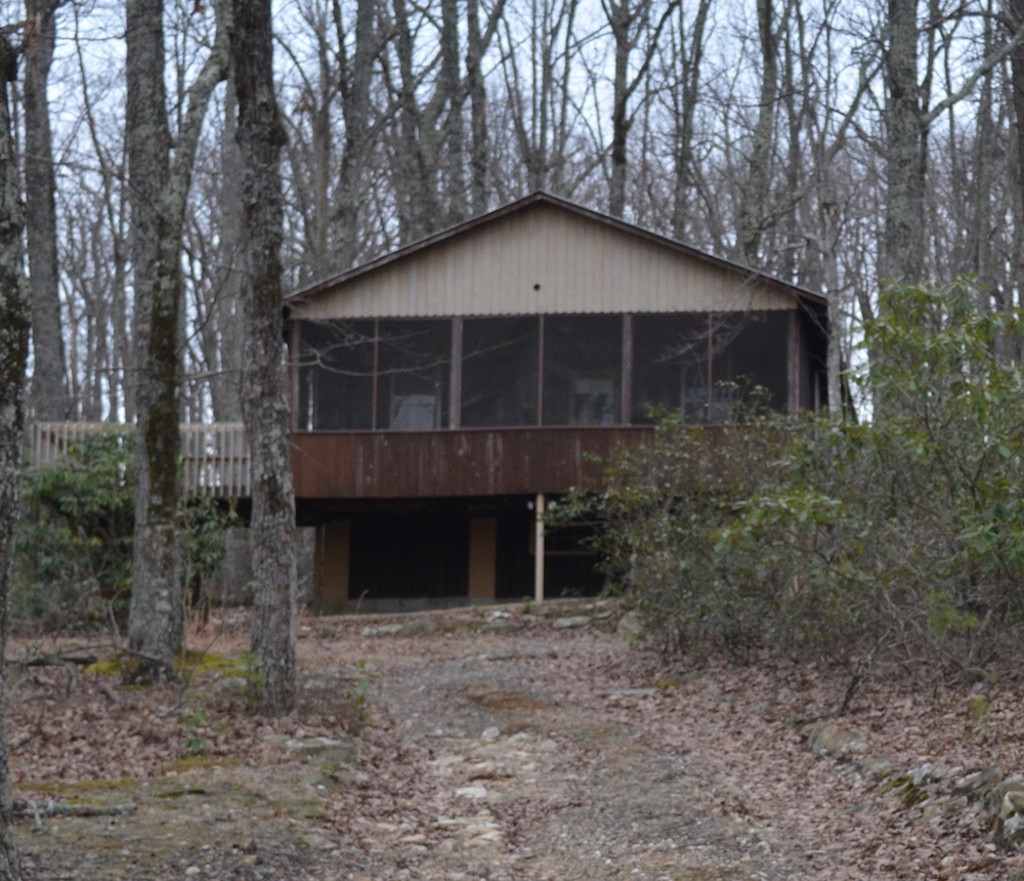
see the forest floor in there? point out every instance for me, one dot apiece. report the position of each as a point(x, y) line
point(495, 743)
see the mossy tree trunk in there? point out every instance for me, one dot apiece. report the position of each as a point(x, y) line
point(159, 182)
point(264, 407)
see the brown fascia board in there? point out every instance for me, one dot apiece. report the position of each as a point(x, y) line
point(805, 295)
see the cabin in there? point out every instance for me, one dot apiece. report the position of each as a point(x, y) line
point(445, 395)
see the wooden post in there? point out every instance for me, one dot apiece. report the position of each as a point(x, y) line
point(626, 378)
point(794, 346)
point(538, 545)
point(455, 377)
point(483, 550)
point(332, 562)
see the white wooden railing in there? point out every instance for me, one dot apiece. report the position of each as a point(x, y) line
point(214, 456)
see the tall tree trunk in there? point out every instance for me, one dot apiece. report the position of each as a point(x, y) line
point(14, 334)
point(621, 19)
point(903, 249)
point(1014, 14)
point(478, 147)
point(159, 195)
point(49, 392)
point(225, 387)
point(453, 134)
point(355, 108)
point(272, 528)
point(755, 194)
point(686, 95)
point(155, 624)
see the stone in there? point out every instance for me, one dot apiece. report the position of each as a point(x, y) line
point(382, 630)
point(979, 784)
point(877, 768)
point(417, 627)
point(828, 738)
point(631, 628)
point(1010, 833)
point(571, 623)
point(476, 791)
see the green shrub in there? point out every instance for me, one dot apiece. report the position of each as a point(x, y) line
point(73, 547)
point(74, 543)
point(904, 535)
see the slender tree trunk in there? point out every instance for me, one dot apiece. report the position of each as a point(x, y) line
point(272, 528)
point(225, 388)
point(621, 20)
point(453, 135)
point(418, 204)
point(355, 108)
point(14, 334)
point(755, 193)
point(1014, 14)
point(687, 93)
point(49, 397)
point(478, 148)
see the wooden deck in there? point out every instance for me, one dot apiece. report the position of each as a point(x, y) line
point(446, 463)
point(215, 456)
point(451, 463)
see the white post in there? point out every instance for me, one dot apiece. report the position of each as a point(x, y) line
point(538, 544)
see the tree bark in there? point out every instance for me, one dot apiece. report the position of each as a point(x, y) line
point(1014, 13)
point(755, 192)
point(690, 62)
point(355, 106)
point(272, 527)
point(155, 624)
point(49, 392)
point(905, 130)
point(225, 388)
point(158, 197)
point(14, 334)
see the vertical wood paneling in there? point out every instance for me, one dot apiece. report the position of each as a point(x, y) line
point(582, 266)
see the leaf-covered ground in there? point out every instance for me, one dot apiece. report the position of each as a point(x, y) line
point(497, 744)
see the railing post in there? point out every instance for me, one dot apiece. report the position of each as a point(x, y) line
point(538, 543)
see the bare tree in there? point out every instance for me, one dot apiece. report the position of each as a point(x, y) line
point(355, 76)
point(14, 336)
point(687, 55)
point(159, 182)
point(755, 191)
point(630, 22)
point(93, 245)
point(272, 528)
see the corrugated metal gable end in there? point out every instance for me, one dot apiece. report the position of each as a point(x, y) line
point(542, 256)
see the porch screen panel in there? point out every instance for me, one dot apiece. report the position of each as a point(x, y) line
point(752, 350)
point(671, 365)
point(413, 373)
point(582, 369)
point(499, 371)
point(335, 375)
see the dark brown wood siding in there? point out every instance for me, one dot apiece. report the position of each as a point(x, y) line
point(452, 463)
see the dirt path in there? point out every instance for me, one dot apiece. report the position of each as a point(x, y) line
point(521, 781)
point(495, 744)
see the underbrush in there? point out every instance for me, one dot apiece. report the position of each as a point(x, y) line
point(896, 542)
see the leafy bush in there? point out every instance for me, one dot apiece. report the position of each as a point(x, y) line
point(903, 536)
point(74, 544)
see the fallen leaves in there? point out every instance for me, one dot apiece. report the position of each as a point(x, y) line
point(732, 733)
